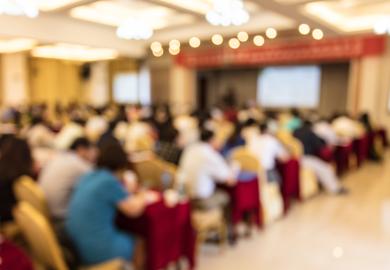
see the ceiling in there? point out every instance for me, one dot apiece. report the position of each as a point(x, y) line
point(93, 22)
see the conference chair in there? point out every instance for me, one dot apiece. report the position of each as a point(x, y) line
point(270, 196)
point(207, 221)
point(156, 173)
point(43, 244)
point(27, 190)
point(308, 184)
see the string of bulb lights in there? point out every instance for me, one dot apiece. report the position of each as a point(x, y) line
point(234, 42)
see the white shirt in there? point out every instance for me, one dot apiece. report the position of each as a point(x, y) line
point(325, 131)
point(40, 136)
point(67, 135)
point(58, 179)
point(267, 149)
point(201, 167)
point(347, 127)
point(95, 127)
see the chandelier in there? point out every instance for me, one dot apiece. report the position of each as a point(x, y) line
point(228, 12)
point(134, 29)
point(19, 8)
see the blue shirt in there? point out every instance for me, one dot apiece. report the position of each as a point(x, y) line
point(91, 219)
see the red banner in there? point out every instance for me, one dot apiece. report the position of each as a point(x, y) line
point(327, 50)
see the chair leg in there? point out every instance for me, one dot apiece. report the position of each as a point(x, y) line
point(222, 230)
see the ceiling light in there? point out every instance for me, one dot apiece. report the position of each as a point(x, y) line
point(194, 42)
point(217, 39)
point(174, 50)
point(304, 29)
point(318, 34)
point(158, 53)
point(243, 36)
point(16, 45)
point(258, 40)
point(155, 46)
point(73, 52)
point(19, 8)
point(234, 43)
point(134, 29)
point(174, 44)
point(271, 33)
point(228, 12)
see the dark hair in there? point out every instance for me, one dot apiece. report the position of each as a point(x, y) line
point(79, 121)
point(307, 123)
point(249, 123)
point(4, 139)
point(112, 156)
point(81, 142)
point(15, 159)
point(294, 112)
point(206, 135)
point(263, 127)
point(36, 120)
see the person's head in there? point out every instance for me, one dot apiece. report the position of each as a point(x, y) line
point(249, 123)
point(15, 159)
point(37, 120)
point(307, 123)
point(112, 157)
point(84, 149)
point(208, 136)
point(263, 127)
point(295, 113)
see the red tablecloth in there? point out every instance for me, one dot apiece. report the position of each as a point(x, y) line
point(361, 148)
point(342, 154)
point(13, 258)
point(290, 173)
point(245, 198)
point(168, 233)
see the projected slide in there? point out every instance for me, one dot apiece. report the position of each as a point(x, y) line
point(290, 86)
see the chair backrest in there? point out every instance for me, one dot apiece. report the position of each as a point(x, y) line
point(152, 171)
point(291, 143)
point(247, 161)
point(27, 190)
point(39, 236)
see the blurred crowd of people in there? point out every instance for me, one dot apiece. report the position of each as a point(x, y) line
point(82, 158)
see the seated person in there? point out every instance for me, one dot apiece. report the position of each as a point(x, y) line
point(95, 127)
point(267, 149)
point(93, 207)
point(295, 120)
point(39, 135)
point(347, 127)
point(59, 177)
point(136, 134)
point(15, 161)
point(312, 145)
point(234, 141)
point(325, 131)
point(200, 168)
point(69, 132)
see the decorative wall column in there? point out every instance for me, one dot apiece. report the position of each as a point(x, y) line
point(182, 94)
point(14, 79)
point(98, 86)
